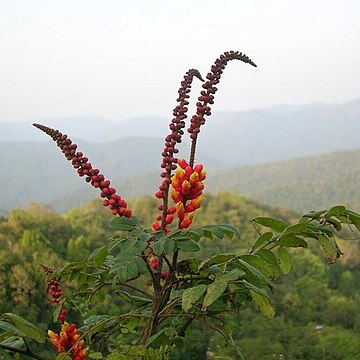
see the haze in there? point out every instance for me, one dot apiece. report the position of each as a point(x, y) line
point(121, 59)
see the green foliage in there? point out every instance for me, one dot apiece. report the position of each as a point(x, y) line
point(114, 280)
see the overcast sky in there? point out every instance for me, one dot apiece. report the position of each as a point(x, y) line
point(122, 59)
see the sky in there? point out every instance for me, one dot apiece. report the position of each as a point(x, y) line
point(124, 59)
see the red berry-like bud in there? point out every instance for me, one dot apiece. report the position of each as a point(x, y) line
point(169, 219)
point(182, 163)
point(159, 194)
point(156, 226)
point(154, 263)
point(172, 210)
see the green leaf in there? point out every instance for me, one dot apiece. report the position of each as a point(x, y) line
point(232, 275)
point(158, 247)
point(169, 246)
point(30, 330)
point(253, 271)
point(187, 245)
point(140, 265)
point(99, 255)
point(335, 223)
point(263, 303)
point(284, 260)
point(196, 233)
point(56, 313)
point(295, 229)
point(269, 257)
point(213, 292)
point(274, 224)
point(63, 356)
point(291, 240)
point(208, 234)
point(355, 218)
point(216, 259)
point(10, 328)
point(191, 295)
point(335, 210)
point(229, 230)
point(263, 240)
point(215, 230)
point(158, 337)
point(188, 266)
point(266, 268)
point(125, 265)
point(329, 248)
point(96, 355)
point(132, 268)
point(124, 223)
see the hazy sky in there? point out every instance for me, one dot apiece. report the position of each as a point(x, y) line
point(121, 59)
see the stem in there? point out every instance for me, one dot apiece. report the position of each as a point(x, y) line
point(192, 152)
point(27, 352)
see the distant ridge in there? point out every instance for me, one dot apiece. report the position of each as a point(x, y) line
point(37, 171)
point(300, 184)
point(230, 138)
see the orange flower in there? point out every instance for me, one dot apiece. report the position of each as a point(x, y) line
point(68, 339)
point(187, 190)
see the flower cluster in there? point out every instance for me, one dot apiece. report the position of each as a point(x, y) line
point(68, 340)
point(169, 160)
point(80, 162)
point(187, 185)
point(55, 292)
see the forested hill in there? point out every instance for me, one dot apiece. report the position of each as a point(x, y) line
point(300, 184)
point(315, 293)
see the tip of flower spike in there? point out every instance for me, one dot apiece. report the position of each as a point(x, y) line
point(197, 74)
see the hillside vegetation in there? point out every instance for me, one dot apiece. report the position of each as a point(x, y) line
point(39, 173)
point(314, 294)
point(300, 184)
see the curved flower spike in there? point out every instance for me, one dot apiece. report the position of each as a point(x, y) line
point(169, 153)
point(207, 95)
point(80, 162)
point(55, 292)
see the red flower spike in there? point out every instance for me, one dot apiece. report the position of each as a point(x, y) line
point(176, 126)
point(69, 338)
point(80, 162)
point(187, 186)
point(207, 95)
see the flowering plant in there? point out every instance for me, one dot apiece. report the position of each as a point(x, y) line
point(152, 269)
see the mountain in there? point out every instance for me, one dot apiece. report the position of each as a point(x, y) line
point(36, 170)
point(229, 138)
point(90, 128)
point(282, 133)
